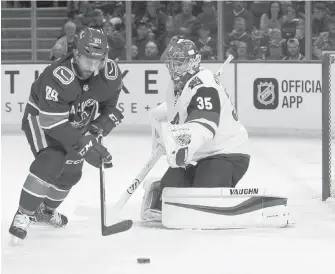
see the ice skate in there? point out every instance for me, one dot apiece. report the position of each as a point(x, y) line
point(50, 216)
point(19, 227)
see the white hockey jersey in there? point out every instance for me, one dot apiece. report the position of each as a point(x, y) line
point(205, 101)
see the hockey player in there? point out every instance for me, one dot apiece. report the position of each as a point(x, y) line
point(206, 145)
point(61, 123)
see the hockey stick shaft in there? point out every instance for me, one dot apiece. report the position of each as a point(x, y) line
point(139, 178)
point(228, 60)
point(119, 226)
point(102, 191)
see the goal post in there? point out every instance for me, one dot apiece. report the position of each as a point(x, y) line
point(328, 125)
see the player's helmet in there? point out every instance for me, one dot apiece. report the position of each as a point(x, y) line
point(93, 43)
point(91, 52)
point(183, 58)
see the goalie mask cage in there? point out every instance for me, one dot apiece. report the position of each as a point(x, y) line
point(328, 125)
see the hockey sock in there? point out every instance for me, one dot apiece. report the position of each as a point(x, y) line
point(33, 193)
point(55, 196)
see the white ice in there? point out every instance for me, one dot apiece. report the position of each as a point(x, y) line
point(286, 165)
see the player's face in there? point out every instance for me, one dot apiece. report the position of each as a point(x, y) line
point(87, 66)
point(176, 67)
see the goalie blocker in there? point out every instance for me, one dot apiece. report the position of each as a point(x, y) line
point(215, 208)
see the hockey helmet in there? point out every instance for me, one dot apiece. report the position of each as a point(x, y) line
point(182, 58)
point(91, 52)
point(93, 43)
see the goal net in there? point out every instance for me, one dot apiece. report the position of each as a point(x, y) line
point(328, 125)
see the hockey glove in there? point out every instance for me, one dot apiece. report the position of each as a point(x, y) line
point(182, 141)
point(93, 152)
point(106, 122)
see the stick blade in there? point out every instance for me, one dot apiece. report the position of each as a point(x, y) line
point(117, 228)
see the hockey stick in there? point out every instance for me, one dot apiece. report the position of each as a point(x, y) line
point(116, 227)
point(228, 60)
point(138, 179)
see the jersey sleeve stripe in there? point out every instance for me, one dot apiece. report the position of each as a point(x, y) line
point(206, 126)
point(55, 113)
point(48, 113)
point(50, 121)
point(208, 115)
point(212, 127)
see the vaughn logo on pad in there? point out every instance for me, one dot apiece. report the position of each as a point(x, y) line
point(243, 191)
point(266, 93)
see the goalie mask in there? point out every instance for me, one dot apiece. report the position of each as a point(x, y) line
point(182, 61)
point(91, 52)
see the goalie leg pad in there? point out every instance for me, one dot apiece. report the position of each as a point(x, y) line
point(214, 208)
point(151, 203)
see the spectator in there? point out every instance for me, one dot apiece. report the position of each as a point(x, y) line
point(319, 23)
point(141, 39)
point(238, 11)
point(294, 51)
point(172, 8)
point(300, 10)
point(154, 18)
point(275, 51)
point(97, 19)
point(276, 36)
point(300, 35)
point(242, 51)
point(116, 39)
point(134, 52)
point(273, 18)
point(239, 34)
point(86, 16)
point(65, 44)
point(107, 28)
point(206, 45)
point(151, 51)
point(165, 38)
point(208, 17)
point(118, 10)
point(261, 44)
point(289, 13)
point(184, 21)
point(326, 40)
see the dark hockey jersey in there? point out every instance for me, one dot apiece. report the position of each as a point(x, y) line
point(65, 104)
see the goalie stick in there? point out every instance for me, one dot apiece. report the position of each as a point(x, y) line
point(228, 60)
point(139, 178)
point(117, 227)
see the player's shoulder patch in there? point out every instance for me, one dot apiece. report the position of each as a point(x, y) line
point(64, 74)
point(111, 70)
point(196, 81)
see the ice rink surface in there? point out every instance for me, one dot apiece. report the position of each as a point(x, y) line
point(288, 166)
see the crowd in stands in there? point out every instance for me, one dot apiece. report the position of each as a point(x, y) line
point(250, 31)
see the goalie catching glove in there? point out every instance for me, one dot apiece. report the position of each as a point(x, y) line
point(181, 142)
point(93, 152)
point(106, 122)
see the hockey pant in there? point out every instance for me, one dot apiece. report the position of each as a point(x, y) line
point(53, 172)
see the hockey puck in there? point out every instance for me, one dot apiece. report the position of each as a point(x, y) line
point(143, 260)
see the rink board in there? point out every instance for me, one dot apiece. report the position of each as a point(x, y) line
point(269, 97)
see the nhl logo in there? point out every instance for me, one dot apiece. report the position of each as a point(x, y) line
point(85, 88)
point(266, 93)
